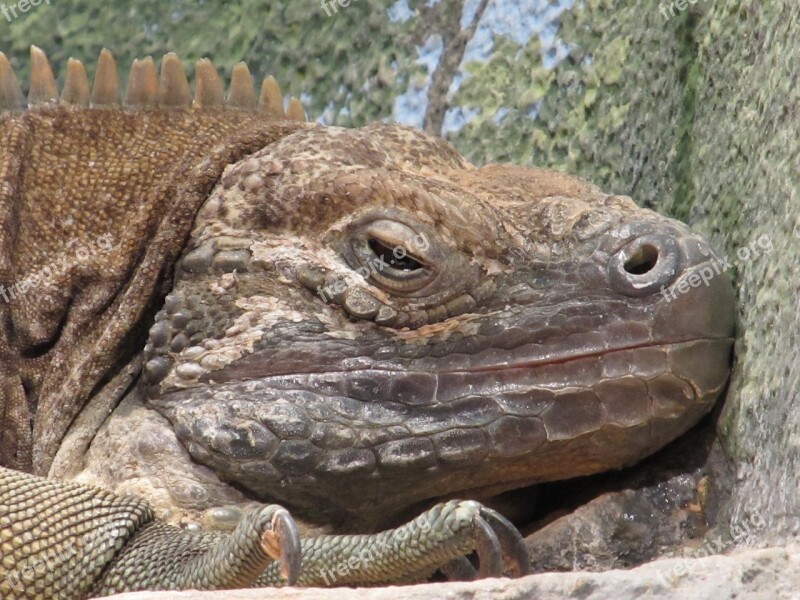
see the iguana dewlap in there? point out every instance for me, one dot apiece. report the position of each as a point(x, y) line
point(353, 323)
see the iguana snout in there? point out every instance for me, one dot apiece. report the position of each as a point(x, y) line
point(362, 320)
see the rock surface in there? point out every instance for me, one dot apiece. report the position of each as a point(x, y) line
point(771, 574)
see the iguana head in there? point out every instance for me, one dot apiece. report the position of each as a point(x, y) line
point(362, 320)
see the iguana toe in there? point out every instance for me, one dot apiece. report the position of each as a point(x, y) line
point(439, 538)
point(499, 547)
point(162, 557)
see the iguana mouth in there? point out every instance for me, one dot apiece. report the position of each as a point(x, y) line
point(504, 367)
point(563, 360)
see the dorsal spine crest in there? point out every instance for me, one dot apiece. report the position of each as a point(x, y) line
point(145, 88)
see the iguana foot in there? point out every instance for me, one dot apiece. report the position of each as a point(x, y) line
point(440, 538)
point(65, 540)
point(161, 556)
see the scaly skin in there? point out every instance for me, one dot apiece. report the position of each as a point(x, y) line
point(359, 324)
point(62, 540)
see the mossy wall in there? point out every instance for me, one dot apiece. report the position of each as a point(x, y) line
point(746, 179)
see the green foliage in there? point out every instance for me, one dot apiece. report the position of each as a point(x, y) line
point(577, 105)
point(345, 60)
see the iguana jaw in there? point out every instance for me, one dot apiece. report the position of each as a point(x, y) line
point(335, 459)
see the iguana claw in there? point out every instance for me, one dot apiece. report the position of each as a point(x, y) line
point(282, 543)
point(487, 547)
point(512, 545)
point(499, 547)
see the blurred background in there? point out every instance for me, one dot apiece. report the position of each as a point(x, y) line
point(501, 79)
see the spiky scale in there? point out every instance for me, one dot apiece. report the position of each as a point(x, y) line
point(105, 88)
point(142, 83)
point(43, 86)
point(242, 94)
point(76, 84)
point(295, 110)
point(208, 87)
point(173, 87)
point(271, 100)
point(11, 97)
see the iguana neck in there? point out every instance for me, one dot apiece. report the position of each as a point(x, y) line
point(96, 204)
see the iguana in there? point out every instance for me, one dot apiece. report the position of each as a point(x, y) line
point(209, 302)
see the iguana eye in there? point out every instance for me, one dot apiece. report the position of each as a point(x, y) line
point(394, 256)
point(387, 255)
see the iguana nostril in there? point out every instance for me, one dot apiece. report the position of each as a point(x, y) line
point(646, 265)
point(643, 260)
